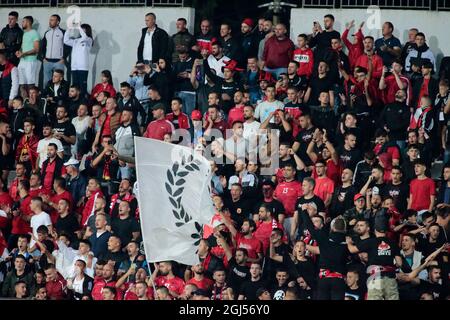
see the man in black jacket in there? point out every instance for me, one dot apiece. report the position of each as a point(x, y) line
point(11, 37)
point(83, 283)
point(433, 85)
point(395, 119)
point(154, 43)
point(9, 79)
point(130, 102)
point(56, 91)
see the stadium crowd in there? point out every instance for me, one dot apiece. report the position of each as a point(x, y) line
point(351, 211)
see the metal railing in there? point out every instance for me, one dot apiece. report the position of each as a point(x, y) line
point(62, 3)
point(384, 4)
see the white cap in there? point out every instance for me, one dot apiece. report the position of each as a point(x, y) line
point(72, 162)
point(217, 223)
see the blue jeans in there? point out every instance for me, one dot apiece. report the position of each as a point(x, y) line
point(446, 155)
point(79, 78)
point(276, 72)
point(49, 67)
point(189, 100)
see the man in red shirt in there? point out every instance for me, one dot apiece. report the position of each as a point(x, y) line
point(52, 167)
point(26, 151)
point(278, 51)
point(324, 186)
point(383, 145)
point(422, 194)
point(36, 188)
point(179, 119)
point(214, 121)
point(95, 192)
point(265, 226)
point(167, 279)
point(369, 54)
point(22, 214)
point(237, 112)
point(5, 202)
point(355, 48)
point(199, 278)
point(160, 126)
point(304, 56)
point(107, 279)
point(60, 192)
point(55, 284)
point(389, 85)
point(289, 191)
point(247, 240)
point(14, 186)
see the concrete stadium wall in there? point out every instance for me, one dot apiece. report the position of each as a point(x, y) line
point(116, 33)
point(434, 24)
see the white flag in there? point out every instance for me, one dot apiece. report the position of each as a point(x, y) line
point(174, 199)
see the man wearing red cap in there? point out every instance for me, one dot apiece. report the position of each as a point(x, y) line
point(249, 43)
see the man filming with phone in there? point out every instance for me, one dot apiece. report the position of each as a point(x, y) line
point(321, 39)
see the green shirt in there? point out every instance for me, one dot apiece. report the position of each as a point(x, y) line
point(29, 37)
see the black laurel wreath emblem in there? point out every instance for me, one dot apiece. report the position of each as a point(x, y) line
point(176, 179)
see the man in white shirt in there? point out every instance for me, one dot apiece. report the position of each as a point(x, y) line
point(236, 144)
point(217, 59)
point(39, 218)
point(64, 256)
point(263, 109)
point(44, 142)
point(251, 126)
point(85, 254)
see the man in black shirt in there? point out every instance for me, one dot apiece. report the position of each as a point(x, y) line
point(343, 196)
point(124, 226)
point(277, 247)
point(382, 252)
point(321, 39)
point(322, 82)
point(239, 271)
point(114, 253)
point(239, 208)
point(397, 189)
point(275, 206)
point(249, 287)
point(354, 288)
point(64, 131)
point(303, 138)
point(67, 221)
point(333, 257)
point(308, 198)
point(348, 153)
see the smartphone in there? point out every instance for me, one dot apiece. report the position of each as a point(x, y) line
point(154, 65)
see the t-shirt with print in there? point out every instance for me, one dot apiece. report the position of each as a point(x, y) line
point(381, 251)
point(314, 200)
point(66, 128)
point(29, 37)
point(349, 158)
point(399, 193)
point(304, 137)
point(237, 275)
